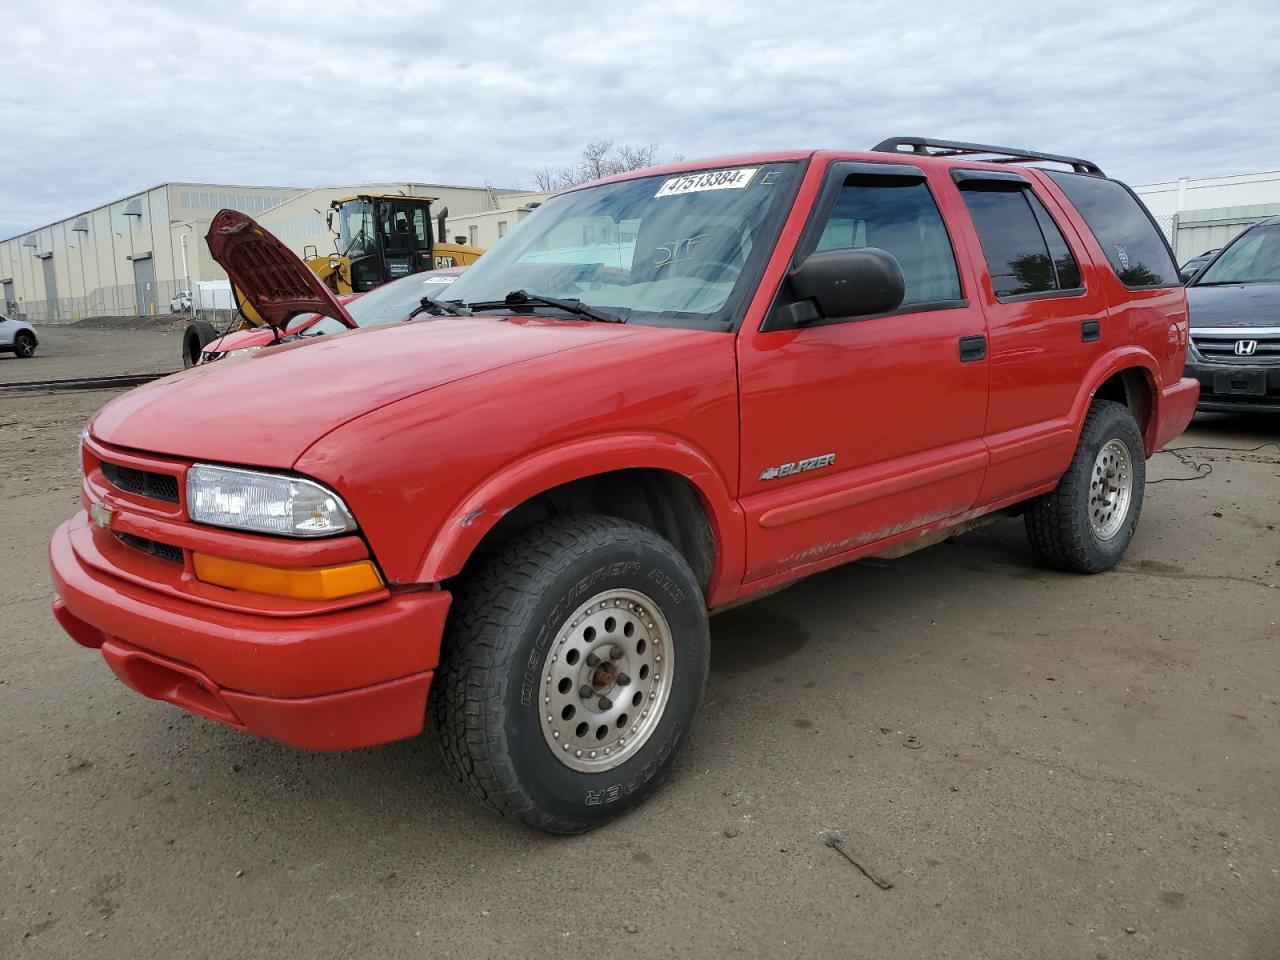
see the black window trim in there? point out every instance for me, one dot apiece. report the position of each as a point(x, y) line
point(1177, 275)
point(1016, 183)
point(777, 318)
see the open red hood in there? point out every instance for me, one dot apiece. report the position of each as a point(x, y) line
point(271, 277)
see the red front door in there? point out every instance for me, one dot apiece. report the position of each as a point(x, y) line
point(857, 429)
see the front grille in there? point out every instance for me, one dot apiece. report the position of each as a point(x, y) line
point(164, 551)
point(1221, 347)
point(157, 486)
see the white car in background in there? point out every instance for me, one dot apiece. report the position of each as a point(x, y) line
point(17, 337)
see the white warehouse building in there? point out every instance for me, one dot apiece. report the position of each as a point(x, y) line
point(130, 256)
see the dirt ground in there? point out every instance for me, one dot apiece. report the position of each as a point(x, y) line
point(103, 350)
point(1095, 769)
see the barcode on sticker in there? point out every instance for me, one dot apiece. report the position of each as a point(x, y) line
point(734, 179)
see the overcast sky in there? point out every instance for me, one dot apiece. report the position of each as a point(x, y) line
point(102, 99)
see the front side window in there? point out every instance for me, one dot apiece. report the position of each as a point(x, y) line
point(898, 215)
point(1025, 251)
point(356, 236)
point(1128, 236)
point(1254, 258)
point(668, 250)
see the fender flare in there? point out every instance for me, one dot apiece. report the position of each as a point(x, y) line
point(471, 519)
point(1125, 358)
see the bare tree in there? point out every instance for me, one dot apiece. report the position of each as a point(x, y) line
point(600, 158)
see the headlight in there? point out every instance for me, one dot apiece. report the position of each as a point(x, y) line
point(241, 351)
point(265, 502)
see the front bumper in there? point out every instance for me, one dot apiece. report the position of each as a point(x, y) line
point(334, 680)
point(1227, 386)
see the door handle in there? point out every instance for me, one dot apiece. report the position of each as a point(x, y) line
point(1090, 330)
point(973, 349)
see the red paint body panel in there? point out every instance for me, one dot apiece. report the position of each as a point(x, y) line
point(433, 430)
point(303, 655)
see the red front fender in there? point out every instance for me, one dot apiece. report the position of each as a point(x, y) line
point(477, 513)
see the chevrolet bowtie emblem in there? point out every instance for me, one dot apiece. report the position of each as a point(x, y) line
point(100, 513)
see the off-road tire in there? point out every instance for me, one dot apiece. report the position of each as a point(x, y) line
point(198, 335)
point(1058, 522)
point(24, 345)
point(487, 698)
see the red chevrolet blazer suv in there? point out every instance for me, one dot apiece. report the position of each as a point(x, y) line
point(663, 393)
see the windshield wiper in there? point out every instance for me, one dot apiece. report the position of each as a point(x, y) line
point(523, 298)
point(1231, 283)
point(432, 305)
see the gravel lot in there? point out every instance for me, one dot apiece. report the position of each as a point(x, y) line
point(68, 351)
point(1095, 770)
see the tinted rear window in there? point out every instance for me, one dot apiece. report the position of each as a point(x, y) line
point(1134, 247)
point(1025, 251)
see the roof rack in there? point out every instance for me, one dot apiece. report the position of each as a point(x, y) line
point(958, 148)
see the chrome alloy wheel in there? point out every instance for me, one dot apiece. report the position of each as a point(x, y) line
point(606, 680)
point(1110, 489)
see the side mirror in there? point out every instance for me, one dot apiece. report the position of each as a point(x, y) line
point(846, 283)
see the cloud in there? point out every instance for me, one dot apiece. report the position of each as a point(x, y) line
point(101, 100)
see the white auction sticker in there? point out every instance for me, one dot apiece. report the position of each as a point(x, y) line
point(734, 179)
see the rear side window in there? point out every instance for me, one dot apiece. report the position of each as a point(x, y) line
point(1134, 247)
point(1025, 251)
point(898, 215)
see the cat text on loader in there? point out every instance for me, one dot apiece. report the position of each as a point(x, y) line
point(377, 238)
point(381, 238)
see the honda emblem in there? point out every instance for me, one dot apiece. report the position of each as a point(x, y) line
point(1246, 348)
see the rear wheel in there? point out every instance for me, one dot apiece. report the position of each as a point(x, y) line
point(1087, 521)
point(572, 668)
point(24, 344)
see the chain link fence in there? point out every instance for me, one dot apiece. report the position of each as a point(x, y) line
point(118, 301)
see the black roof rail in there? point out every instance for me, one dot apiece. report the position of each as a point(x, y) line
point(958, 148)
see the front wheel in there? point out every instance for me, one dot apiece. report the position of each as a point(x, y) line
point(24, 345)
point(571, 672)
point(1086, 522)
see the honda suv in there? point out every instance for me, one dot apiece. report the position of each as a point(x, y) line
point(666, 392)
point(1235, 323)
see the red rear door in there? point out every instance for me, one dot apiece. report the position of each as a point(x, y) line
point(1046, 316)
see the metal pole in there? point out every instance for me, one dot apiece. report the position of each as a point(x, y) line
point(191, 300)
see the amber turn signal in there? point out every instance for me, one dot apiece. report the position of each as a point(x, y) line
point(297, 583)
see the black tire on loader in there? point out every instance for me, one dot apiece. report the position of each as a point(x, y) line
point(198, 335)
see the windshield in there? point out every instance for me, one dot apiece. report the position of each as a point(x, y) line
point(356, 235)
point(390, 303)
point(1254, 258)
point(675, 250)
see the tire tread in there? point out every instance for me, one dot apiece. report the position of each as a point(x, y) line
point(490, 609)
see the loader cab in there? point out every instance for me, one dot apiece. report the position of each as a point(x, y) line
point(383, 238)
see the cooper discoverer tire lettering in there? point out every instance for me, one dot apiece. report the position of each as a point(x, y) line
point(585, 632)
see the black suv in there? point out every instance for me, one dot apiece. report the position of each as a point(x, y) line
point(1235, 323)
